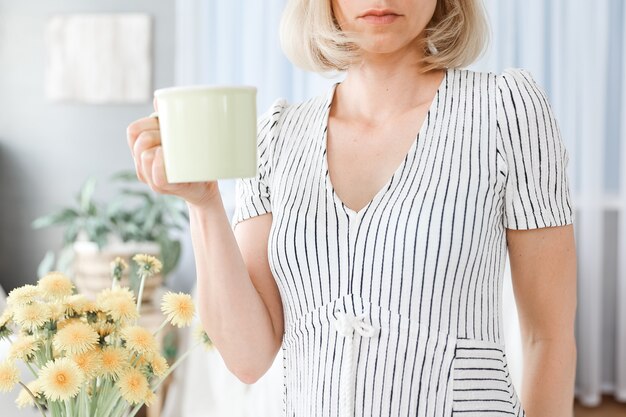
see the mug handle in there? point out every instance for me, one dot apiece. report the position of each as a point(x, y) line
point(154, 114)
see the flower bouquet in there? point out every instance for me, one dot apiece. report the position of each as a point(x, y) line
point(89, 358)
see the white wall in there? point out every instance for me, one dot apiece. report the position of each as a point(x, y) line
point(48, 149)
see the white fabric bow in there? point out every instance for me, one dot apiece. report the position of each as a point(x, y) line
point(346, 325)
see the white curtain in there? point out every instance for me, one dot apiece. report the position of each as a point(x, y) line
point(576, 49)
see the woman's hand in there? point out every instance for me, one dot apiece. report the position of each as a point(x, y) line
point(144, 141)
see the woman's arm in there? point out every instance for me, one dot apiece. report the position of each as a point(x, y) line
point(239, 302)
point(543, 270)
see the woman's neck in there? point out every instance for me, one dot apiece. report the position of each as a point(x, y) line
point(382, 87)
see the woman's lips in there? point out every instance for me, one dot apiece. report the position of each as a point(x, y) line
point(380, 18)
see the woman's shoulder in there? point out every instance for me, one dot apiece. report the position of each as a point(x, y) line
point(519, 84)
point(508, 78)
point(514, 89)
point(282, 109)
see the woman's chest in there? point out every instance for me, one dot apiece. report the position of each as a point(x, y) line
point(361, 159)
point(446, 188)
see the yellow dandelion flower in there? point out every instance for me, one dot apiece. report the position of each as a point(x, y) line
point(142, 360)
point(89, 362)
point(113, 361)
point(103, 328)
point(201, 336)
point(100, 315)
point(118, 266)
point(31, 316)
point(159, 365)
point(55, 285)
point(64, 323)
point(119, 303)
point(23, 348)
point(149, 397)
point(25, 294)
point(56, 311)
point(139, 340)
point(78, 304)
point(133, 386)
point(76, 338)
point(178, 308)
point(24, 399)
point(122, 309)
point(148, 265)
point(61, 379)
point(9, 375)
point(5, 319)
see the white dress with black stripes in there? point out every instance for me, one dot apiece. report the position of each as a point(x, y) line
point(395, 310)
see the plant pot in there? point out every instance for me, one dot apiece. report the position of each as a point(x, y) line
point(92, 267)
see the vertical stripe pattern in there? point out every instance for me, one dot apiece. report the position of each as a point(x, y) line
point(422, 262)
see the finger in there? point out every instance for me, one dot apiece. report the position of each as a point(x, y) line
point(138, 171)
point(147, 160)
point(135, 128)
point(159, 176)
point(146, 140)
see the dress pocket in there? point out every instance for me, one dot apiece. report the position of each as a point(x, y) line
point(481, 382)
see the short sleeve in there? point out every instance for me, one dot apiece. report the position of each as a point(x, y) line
point(253, 195)
point(532, 155)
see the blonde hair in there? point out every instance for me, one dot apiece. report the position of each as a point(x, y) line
point(311, 38)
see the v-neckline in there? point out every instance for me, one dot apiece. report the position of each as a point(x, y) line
point(418, 139)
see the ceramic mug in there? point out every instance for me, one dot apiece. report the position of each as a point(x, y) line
point(208, 132)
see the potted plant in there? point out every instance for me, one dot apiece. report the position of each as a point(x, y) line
point(134, 220)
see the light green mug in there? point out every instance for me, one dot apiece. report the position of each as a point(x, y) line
point(208, 132)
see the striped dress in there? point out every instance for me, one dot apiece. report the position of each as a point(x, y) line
point(395, 310)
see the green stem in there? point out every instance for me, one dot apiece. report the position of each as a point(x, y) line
point(34, 398)
point(119, 409)
point(169, 371)
point(57, 409)
point(101, 392)
point(93, 402)
point(140, 295)
point(111, 401)
point(176, 364)
point(31, 369)
point(84, 400)
point(49, 350)
point(161, 327)
point(69, 407)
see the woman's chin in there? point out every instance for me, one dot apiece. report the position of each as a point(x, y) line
point(384, 43)
point(381, 49)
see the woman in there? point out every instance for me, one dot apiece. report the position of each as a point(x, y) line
point(371, 245)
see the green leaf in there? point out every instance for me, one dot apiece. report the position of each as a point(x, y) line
point(179, 217)
point(97, 230)
point(151, 218)
point(71, 233)
point(136, 193)
point(132, 229)
point(46, 264)
point(64, 216)
point(170, 254)
point(125, 175)
point(66, 259)
point(101, 241)
point(86, 195)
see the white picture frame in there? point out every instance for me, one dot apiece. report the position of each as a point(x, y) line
point(99, 58)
